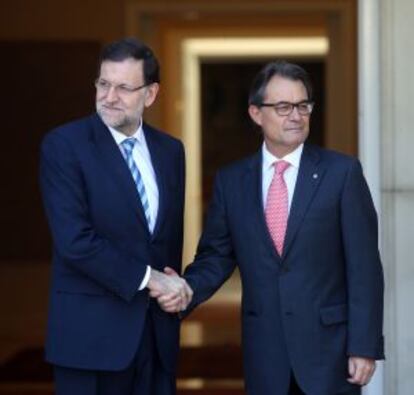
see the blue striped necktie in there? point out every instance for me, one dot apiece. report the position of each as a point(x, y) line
point(128, 146)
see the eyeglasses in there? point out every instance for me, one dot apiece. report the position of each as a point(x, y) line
point(284, 108)
point(121, 90)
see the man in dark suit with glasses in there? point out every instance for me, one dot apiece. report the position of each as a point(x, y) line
point(299, 223)
point(113, 190)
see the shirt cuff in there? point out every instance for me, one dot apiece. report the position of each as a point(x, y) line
point(144, 282)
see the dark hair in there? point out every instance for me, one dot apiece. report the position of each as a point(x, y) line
point(128, 48)
point(283, 69)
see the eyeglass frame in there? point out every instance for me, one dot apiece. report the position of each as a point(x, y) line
point(120, 89)
point(310, 104)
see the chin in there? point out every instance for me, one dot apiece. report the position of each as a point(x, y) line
point(297, 141)
point(112, 121)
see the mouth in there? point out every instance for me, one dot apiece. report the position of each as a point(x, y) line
point(294, 130)
point(110, 108)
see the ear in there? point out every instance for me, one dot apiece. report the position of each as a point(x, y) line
point(151, 94)
point(255, 114)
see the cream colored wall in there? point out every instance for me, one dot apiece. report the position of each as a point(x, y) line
point(397, 89)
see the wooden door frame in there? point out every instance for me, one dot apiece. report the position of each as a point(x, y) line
point(165, 27)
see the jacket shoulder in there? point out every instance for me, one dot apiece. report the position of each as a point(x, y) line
point(73, 130)
point(331, 157)
point(239, 166)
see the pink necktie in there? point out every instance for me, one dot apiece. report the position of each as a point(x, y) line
point(276, 211)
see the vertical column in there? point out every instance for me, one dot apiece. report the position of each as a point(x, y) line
point(386, 84)
point(369, 121)
point(397, 57)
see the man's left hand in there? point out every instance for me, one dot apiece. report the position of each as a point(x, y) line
point(360, 370)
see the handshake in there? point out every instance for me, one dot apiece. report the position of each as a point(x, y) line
point(172, 292)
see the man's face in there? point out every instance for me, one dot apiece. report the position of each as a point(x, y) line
point(282, 133)
point(118, 102)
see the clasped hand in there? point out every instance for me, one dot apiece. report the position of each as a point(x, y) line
point(171, 291)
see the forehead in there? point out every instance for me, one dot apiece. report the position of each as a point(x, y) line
point(284, 89)
point(128, 70)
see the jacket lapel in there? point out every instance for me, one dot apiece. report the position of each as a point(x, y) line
point(116, 166)
point(158, 163)
point(309, 178)
point(253, 183)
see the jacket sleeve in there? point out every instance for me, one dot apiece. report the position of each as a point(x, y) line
point(214, 261)
point(363, 267)
point(75, 240)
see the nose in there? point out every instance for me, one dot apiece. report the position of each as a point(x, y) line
point(294, 115)
point(112, 95)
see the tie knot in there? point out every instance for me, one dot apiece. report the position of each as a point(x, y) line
point(128, 144)
point(281, 166)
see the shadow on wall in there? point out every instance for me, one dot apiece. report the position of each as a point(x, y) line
point(45, 84)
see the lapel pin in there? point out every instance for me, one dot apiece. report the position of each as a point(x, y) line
point(315, 176)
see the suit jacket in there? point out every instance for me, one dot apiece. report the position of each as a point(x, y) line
point(102, 245)
point(322, 300)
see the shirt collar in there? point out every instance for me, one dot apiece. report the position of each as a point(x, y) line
point(293, 158)
point(120, 137)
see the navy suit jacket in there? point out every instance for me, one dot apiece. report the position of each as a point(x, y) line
point(322, 300)
point(102, 245)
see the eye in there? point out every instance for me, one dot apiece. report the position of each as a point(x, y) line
point(124, 89)
point(102, 84)
point(285, 107)
point(305, 108)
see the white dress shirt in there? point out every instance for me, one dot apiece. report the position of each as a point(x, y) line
point(290, 175)
point(142, 158)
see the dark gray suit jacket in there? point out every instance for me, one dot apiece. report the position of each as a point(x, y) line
point(320, 302)
point(102, 245)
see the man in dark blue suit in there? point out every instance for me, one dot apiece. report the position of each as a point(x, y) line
point(113, 191)
point(299, 223)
